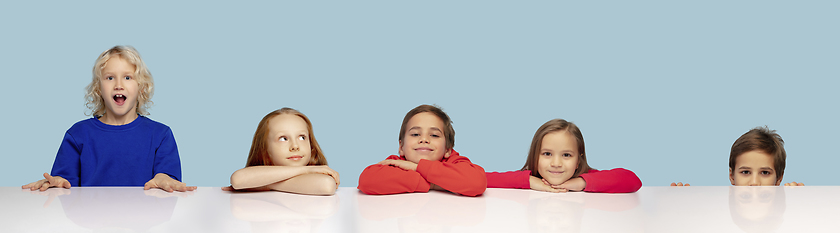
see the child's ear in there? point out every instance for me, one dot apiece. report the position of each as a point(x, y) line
point(446, 155)
point(401, 150)
point(779, 181)
point(731, 177)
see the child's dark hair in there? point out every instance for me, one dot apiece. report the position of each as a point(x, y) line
point(551, 126)
point(259, 146)
point(762, 139)
point(448, 130)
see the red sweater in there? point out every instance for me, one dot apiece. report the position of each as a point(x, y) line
point(455, 174)
point(618, 180)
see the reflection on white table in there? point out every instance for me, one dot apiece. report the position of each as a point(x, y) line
point(209, 209)
point(282, 212)
point(757, 209)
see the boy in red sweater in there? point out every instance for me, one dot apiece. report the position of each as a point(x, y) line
point(426, 161)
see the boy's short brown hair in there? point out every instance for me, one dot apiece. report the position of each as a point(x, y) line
point(448, 130)
point(762, 139)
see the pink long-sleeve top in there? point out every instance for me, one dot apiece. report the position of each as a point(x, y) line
point(617, 180)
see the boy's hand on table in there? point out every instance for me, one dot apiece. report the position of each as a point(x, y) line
point(47, 182)
point(163, 181)
point(541, 185)
point(405, 165)
point(794, 184)
point(681, 184)
point(573, 184)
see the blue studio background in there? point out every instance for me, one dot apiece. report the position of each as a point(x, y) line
point(661, 88)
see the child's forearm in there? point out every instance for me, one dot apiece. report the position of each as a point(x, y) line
point(463, 178)
point(311, 184)
point(616, 180)
point(511, 179)
point(259, 176)
point(384, 179)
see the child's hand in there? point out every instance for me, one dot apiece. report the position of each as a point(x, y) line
point(681, 184)
point(163, 181)
point(573, 184)
point(47, 182)
point(540, 185)
point(405, 165)
point(324, 169)
point(794, 184)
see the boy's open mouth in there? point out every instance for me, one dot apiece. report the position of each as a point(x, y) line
point(120, 99)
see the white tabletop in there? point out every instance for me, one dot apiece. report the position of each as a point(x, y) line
point(652, 209)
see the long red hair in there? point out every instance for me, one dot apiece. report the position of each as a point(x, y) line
point(259, 146)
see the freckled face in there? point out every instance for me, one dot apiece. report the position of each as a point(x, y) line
point(558, 157)
point(288, 143)
point(424, 139)
point(754, 168)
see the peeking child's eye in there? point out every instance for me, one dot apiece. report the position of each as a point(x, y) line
point(301, 137)
point(283, 139)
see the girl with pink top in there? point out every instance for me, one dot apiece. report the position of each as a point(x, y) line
point(557, 163)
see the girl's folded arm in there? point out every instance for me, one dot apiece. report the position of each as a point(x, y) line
point(618, 180)
point(259, 176)
point(311, 184)
point(511, 179)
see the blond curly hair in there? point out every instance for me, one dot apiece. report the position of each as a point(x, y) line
point(94, 100)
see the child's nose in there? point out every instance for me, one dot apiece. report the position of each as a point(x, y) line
point(424, 139)
point(754, 181)
point(555, 161)
point(294, 146)
point(119, 84)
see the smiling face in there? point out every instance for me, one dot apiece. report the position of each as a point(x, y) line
point(288, 141)
point(754, 168)
point(119, 90)
point(424, 139)
point(558, 158)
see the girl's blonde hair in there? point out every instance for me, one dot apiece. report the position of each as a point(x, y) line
point(531, 163)
point(259, 146)
point(94, 100)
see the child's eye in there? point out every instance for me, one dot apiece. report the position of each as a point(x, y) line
point(127, 77)
point(414, 134)
point(546, 153)
point(283, 139)
point(110, 78)
point(567, 155)
point(435, 135)
point(301, 137)
point(745, 172)
point(765, 172)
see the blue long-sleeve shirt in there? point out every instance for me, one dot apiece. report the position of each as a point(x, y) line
point(96, 154)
